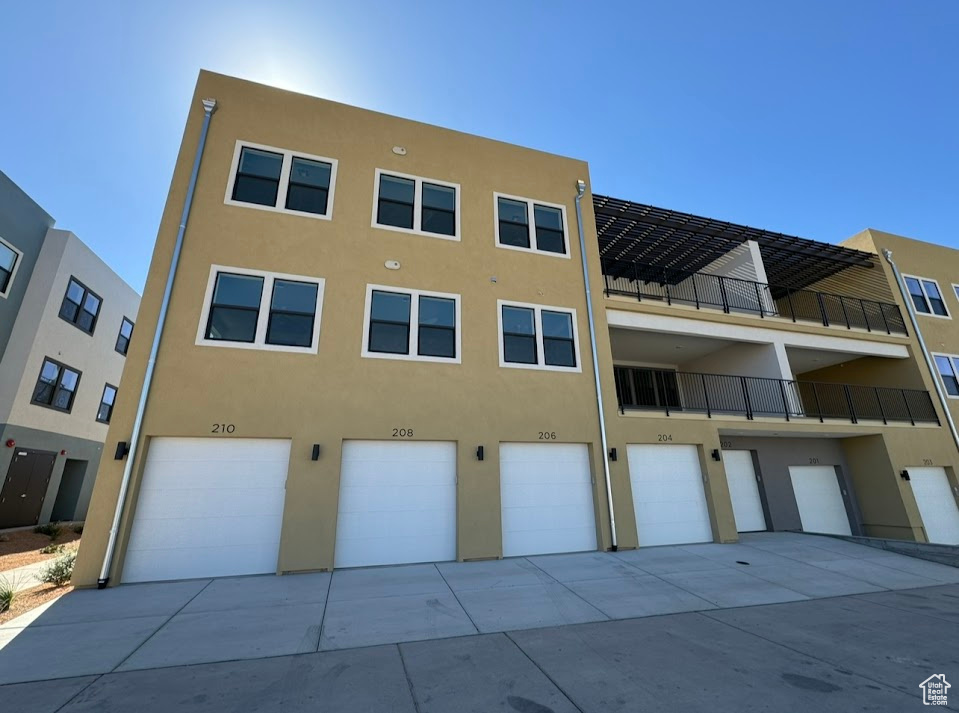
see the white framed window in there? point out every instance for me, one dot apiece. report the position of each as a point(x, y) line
point(926, 296)
point(948, 367)
point(400, 323)
point(417, 205)
point(280, 180)
point(530, 225)
point(9, 264)
point(535, 336)
point(955, 288)
point(254, 309)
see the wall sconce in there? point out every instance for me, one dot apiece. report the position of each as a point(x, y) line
point(715, 454)
point(480, 453)
point(905, 475)
point(612, 454)
point(316, 451)
point(122, 449)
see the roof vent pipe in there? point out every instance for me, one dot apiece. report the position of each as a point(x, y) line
point(580, 191)
point(904, 293)
point(209, 106)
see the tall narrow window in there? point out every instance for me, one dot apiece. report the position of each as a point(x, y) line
point(437, 327)
point(56, 386)
point(8, 264)
point(519, 335)
point(105, 411)
point(235, 308)
point(439, 209)
point(309, 186)
point(558, 346)
point(390, 323)
point(80, 306)
point(123, 338)
point(926, 297)
point(258, 177)
point(935, 298)
point(292, 312)
point(947, 372)
point(396, 202)
point(513, 223)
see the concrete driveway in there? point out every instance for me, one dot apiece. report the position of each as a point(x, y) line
point(834, 634)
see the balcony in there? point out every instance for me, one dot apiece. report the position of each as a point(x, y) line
point(640, 389)
point(732, 295)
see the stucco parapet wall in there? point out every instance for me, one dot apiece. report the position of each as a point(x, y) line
point(742, 330)
point(618, 303)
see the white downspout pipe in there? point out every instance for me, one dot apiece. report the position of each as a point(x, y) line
point(580, 191)
point(209, 106)
point(943, 400)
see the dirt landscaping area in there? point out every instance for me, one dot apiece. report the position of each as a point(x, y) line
point(22, 547)
point(32, 598)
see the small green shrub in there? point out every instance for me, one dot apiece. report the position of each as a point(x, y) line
point(52, 549)
point(51, 530)
point(59, 572)
point(8, 593)
point(78, 528)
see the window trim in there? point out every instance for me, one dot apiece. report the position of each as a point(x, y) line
point(62, 366)
point(263, 315)
point(16, 266)
point(531, 215)
point(942, 297)
point(86, 291)
point(116, 345)
point(418, 182)
point(540, 349)
point(414, 325)
point(116, 392)
point(953, 359)
point(283, 188)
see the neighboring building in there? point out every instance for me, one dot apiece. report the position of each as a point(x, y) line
point(377, 351)
point(65, 323)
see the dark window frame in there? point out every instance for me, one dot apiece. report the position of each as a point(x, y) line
point(532, 229)
point(571, 340)
point(290, 182)
point(103, 402)
point(80, 307)
point(408, 324)
point(539, 337)
point(272, 312)
point(953, 374)
point(924, 302)
point(537, 328)
point(437, 328)
point(126, 348)
point(213, 305)
point(500, 221)
point(57, 387)
point(380, 200)
point(6, 282)
point(240, 174)
point(418, 207)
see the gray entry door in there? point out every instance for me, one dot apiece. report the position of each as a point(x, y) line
point(25, 487)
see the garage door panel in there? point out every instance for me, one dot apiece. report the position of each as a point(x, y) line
point(668, 496)
point(397, 503)
point(937, 505)
point(207, 508)
point(547, 498)
point(819, 499)
point(744, 491)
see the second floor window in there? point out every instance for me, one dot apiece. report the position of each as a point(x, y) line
point(411, 324)
point(537, 337)
point(56, 386)
point(261, 310)
point(105, 411)
point(280, 180)
point(948, 372)
point(926, 297)
point(417, 205)
point(80, 306)
point(123, 338)
point(9, 260)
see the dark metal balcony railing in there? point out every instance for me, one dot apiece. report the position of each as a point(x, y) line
point(729, 294)
point(750, 396)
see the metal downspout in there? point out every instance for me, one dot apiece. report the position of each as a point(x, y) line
point(209, 106)
point(907, 300)
point(580, 191)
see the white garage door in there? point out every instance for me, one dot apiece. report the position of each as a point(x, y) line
point(668, 495)
point(547, 498)
point(208, 508)
point(819, 499)
point(397, 503)
point(744, 491)
point(937, 505)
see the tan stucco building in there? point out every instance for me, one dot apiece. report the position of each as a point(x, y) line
point(378, 350)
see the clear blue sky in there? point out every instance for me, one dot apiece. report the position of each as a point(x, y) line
point(811, 117)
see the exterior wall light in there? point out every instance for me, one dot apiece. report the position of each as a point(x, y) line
point(316, 451)
point(612, 454)
point(715, 454)
point(479, 453)
point(905, 475)
point(122, 449)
